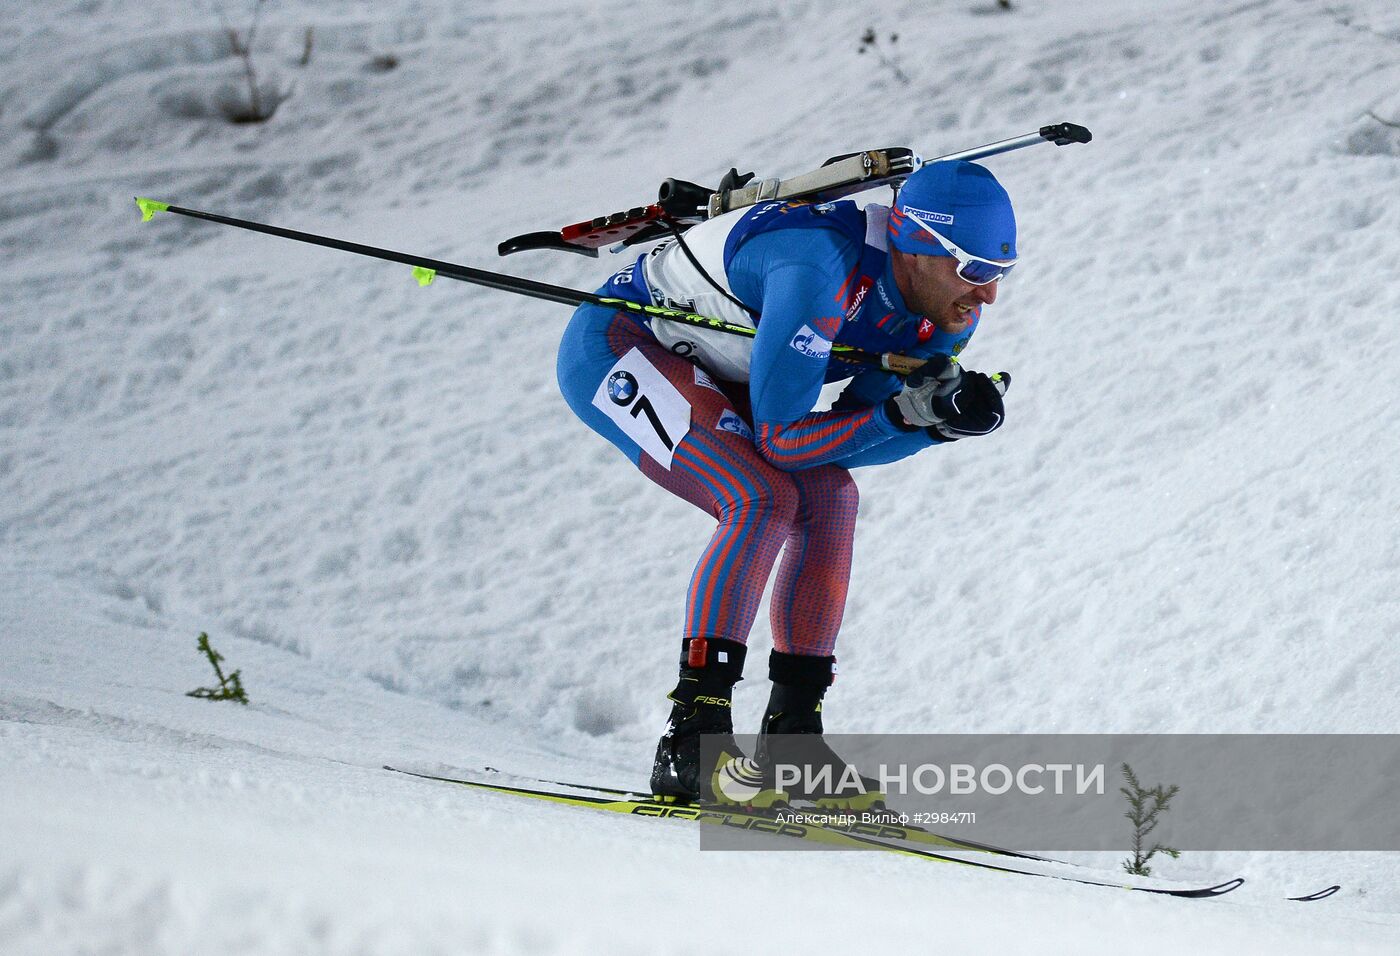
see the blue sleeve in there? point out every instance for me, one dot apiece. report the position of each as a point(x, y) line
point(870, 387)
point(794, 277)
point(873, 387)
point(901, 446)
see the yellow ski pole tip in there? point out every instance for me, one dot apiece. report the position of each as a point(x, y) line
point(149, 207)
point(423, 275)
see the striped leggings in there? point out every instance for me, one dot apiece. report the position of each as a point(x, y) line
point(627, 387)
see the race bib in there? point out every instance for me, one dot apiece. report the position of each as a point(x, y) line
point(645, 405)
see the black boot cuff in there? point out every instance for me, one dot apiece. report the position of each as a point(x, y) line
point(799, 670)
point(716, 655)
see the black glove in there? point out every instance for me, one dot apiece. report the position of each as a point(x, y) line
point(948, 401)
point(974, 408)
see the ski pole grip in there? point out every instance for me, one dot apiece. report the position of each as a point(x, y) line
point(1062, 134)
point(901, 365)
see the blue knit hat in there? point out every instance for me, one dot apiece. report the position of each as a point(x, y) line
point(963, 202)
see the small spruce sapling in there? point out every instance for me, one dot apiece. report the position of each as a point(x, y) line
point(1145, 806)
point(230, 687)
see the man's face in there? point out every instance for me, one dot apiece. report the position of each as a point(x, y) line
point(931, 288)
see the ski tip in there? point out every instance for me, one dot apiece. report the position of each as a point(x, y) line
point(149, 207)
point(1206, 892)
point(1319, 895)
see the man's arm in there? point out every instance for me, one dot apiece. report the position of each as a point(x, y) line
point(897, 448)
point(872, 388)
point(797, 276)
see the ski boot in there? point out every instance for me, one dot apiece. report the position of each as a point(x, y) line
point(703, 704)
point(791, 735)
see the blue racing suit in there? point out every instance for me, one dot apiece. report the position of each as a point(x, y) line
point(728, 422)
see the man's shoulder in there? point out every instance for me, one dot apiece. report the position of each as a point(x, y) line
point(844, 218)
point(830, 234)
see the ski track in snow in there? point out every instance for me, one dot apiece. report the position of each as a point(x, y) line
point(373, 498)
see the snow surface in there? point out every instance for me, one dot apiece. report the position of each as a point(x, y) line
point(374, 500)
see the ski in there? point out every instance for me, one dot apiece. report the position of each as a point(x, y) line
point(883, 830)
point(1319, 895)
point(640, 805)
point(888, 831)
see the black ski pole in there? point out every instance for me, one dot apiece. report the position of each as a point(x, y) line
point(425, 270)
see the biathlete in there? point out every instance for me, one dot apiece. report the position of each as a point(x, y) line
point(726, 422)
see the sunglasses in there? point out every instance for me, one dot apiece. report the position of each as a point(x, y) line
point(973, 270)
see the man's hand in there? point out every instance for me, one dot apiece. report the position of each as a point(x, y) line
point(936, 378)
point(973, 408)
point(950, 402)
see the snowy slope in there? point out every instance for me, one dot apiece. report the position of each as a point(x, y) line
point(373, 499)
point(137, 820)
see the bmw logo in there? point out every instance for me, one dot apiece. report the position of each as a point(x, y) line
point(622, 387)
